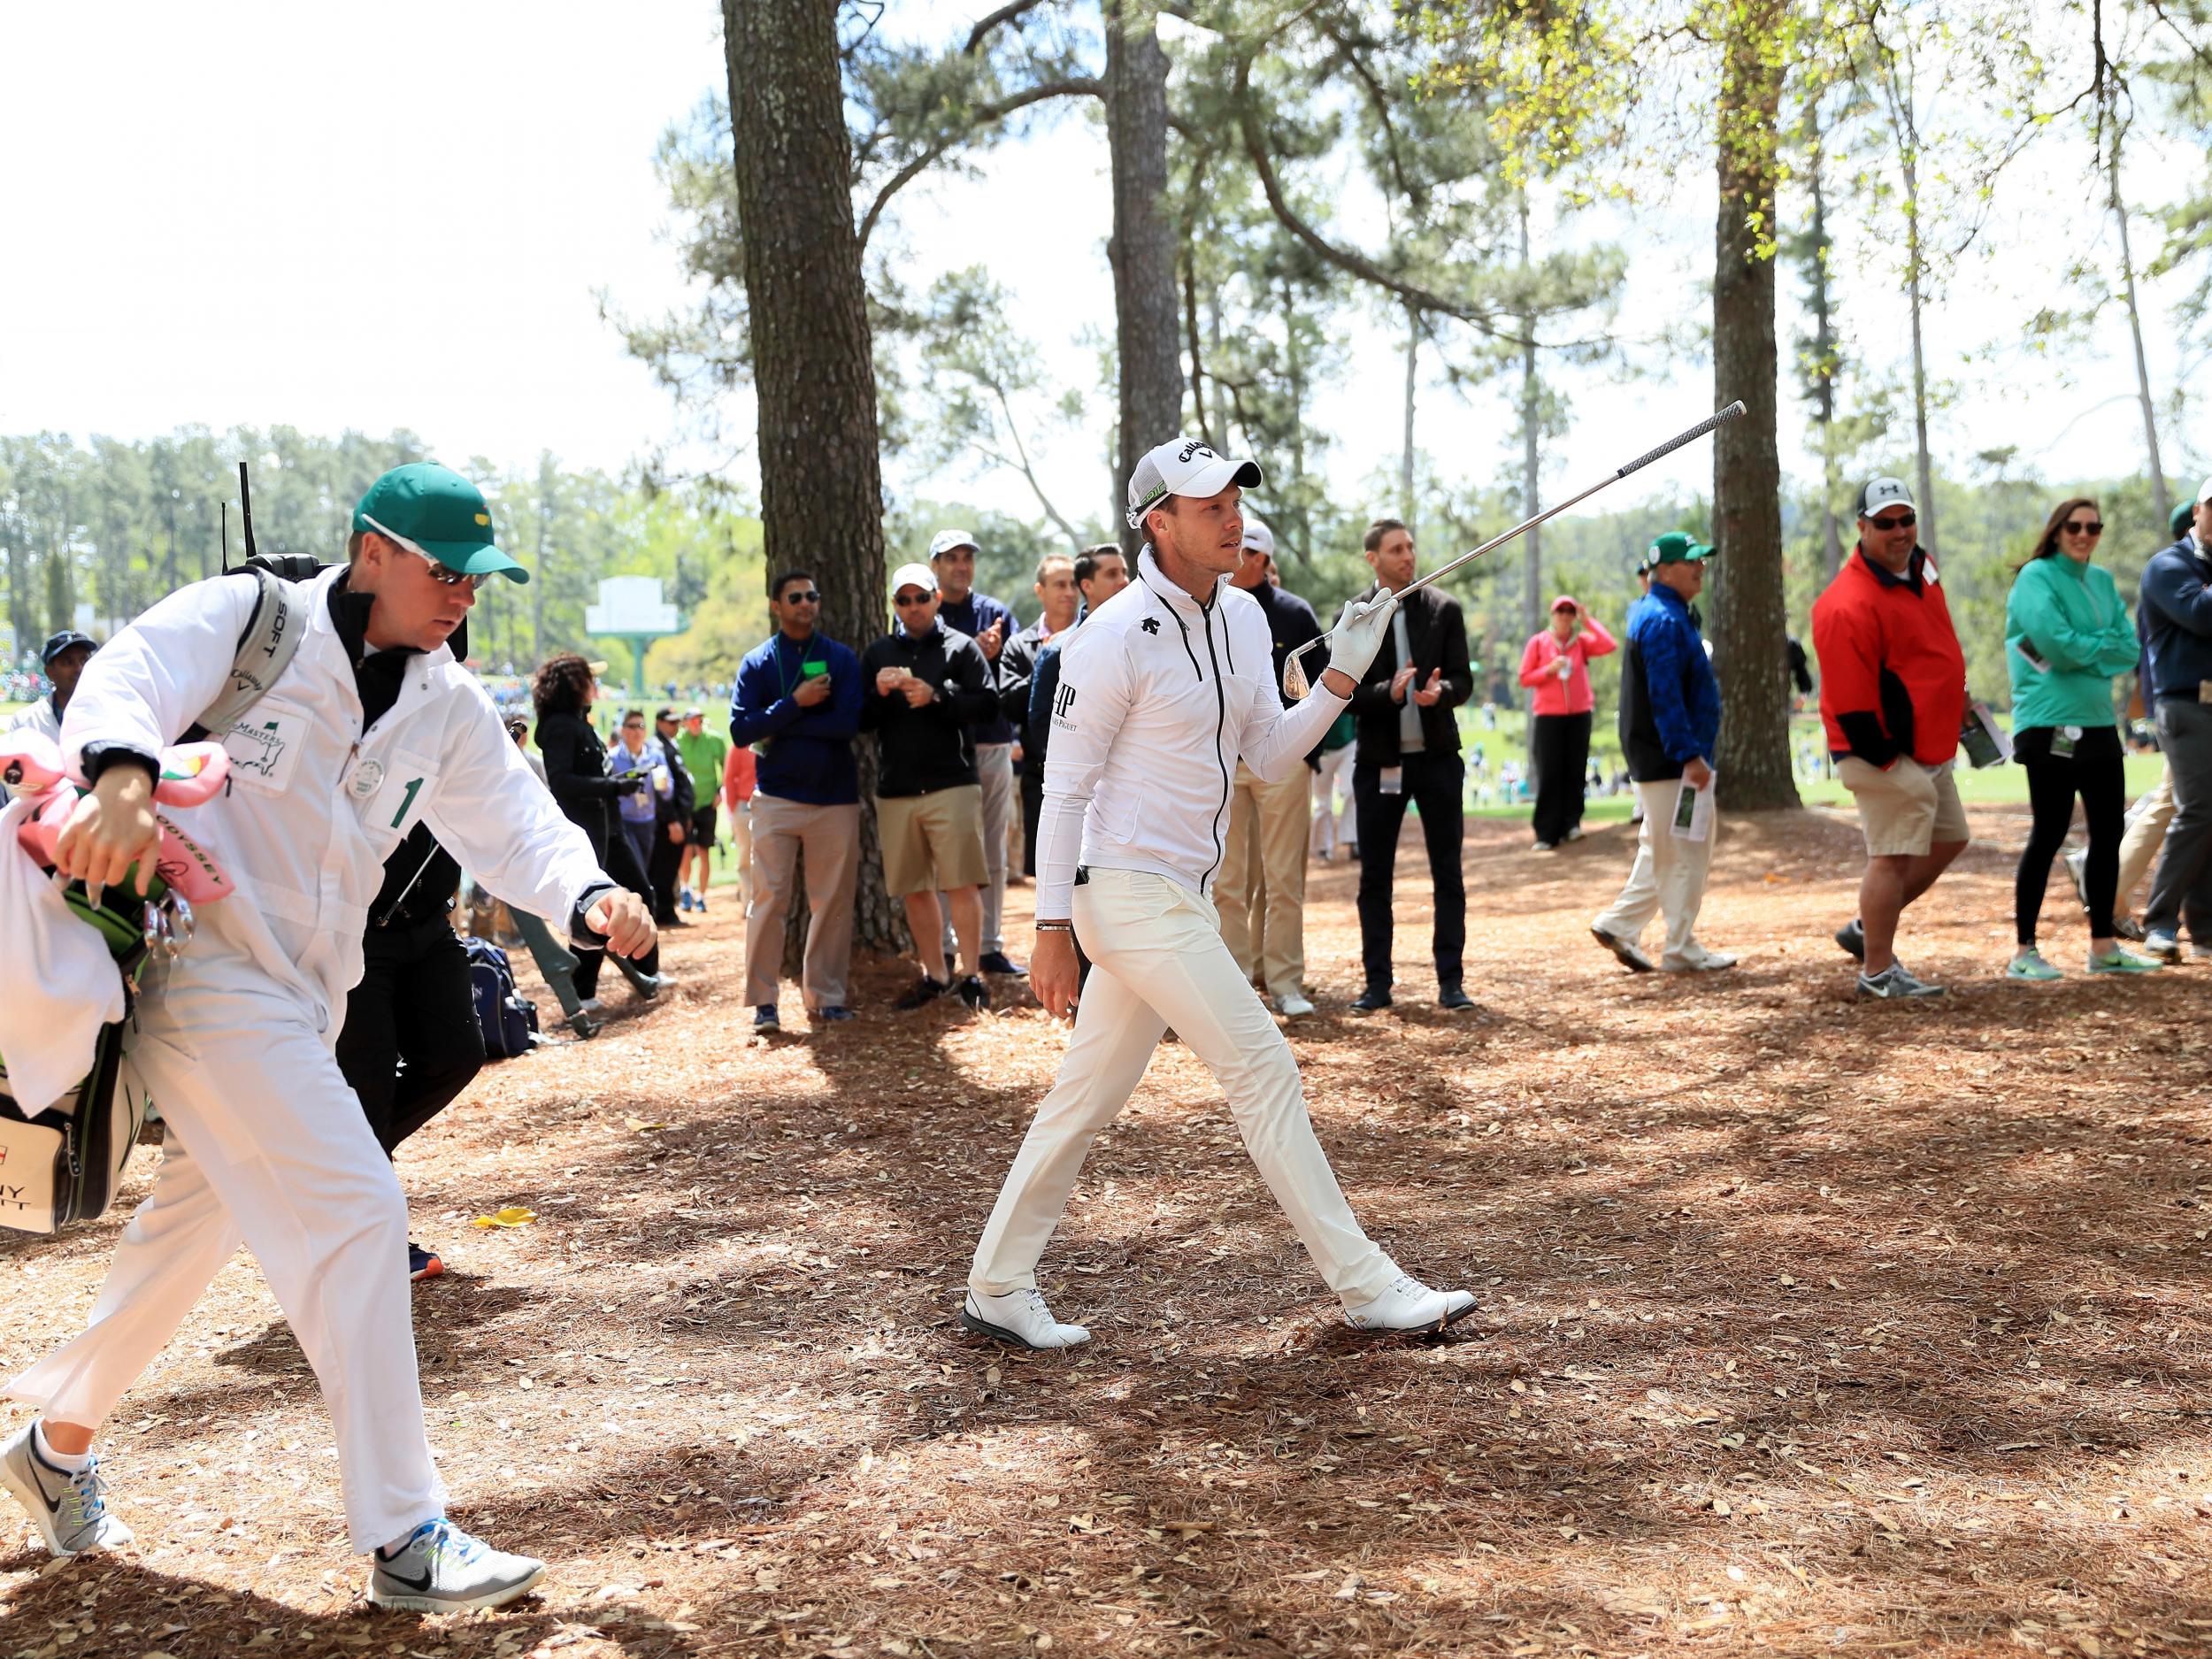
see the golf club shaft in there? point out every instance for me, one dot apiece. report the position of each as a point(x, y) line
point(1719, 418)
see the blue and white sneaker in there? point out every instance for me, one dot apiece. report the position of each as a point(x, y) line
point(70, 1510)
point(441, 1569)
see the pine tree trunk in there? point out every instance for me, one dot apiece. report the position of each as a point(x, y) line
point(1143, 250)
point(1744, 592)
point(2160, 497)
point(1406, 509)
point(821, 487)
point(1824, 364)
point(1923, 471)
point(1532, 567)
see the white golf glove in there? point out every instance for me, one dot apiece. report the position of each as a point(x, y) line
point(1360, 632)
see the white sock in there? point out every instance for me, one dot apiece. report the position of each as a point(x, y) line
point(73, 1462)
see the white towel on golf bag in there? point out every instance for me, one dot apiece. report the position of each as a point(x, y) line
point(58, 983)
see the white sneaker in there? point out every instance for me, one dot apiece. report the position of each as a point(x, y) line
point(1021, 1317)
point(1294, 1006)
point(441, 1569)
point(1699, 960)
point(1409, 1305)
point(70, 1510)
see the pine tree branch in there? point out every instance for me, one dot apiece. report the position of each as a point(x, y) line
point(1006, 13)
point(985, 115)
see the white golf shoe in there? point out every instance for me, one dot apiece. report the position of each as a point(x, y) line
point(1409, 1305)
point(1021, 1317)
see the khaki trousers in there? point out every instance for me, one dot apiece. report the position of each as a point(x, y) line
point(831, 838)
point(1669, 877)
point(1156, 954)
point(2145, 835)
point(1261, 891)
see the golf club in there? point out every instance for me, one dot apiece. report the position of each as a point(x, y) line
point(1295, 685)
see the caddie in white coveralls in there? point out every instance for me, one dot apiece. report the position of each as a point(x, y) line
point(1163, 691)
point(371, 727)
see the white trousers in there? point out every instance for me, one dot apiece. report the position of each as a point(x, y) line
point(1669, 876)
point(1332, 800)
point(995, 771)
point(266, 1145)
point(1156, 956)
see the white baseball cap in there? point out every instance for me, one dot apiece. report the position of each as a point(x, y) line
point(915, 576)
point(2204, 490)
point(945, 541)
point(1188, 466)
point(1259, 538)
point(1879, 495)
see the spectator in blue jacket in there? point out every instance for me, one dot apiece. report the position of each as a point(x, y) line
point(2176, 619)
point(797, 701)
point(1669, 720)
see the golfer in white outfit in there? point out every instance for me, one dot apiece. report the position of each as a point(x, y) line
point(267, 1144)
point(1164, 688)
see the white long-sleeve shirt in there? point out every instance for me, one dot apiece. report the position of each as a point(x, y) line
point(1159, 698)
point(314, 803)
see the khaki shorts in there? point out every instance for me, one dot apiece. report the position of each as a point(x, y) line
point(933, 842)
point(1906, 810)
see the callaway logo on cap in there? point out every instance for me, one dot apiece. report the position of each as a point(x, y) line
point(1188, 466)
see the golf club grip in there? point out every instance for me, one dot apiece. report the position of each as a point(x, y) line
point(1718, 419)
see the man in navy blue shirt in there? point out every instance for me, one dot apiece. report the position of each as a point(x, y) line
point(797, 700)
point(2175, 618)
point(1669, 720)
point(990, 624)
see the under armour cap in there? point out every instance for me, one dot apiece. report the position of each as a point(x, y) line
point(1677, 548)
point(1188, 466)
point(915, 576)
point(945, 541)
point(68, 638)
point(434, 510)
point(1879, 495)
point(1259, 538)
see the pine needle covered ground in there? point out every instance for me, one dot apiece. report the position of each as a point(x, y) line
point(1808, 1326)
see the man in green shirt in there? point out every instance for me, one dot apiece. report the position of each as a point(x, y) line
point(703, 753)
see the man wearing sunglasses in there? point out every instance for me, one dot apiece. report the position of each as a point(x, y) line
point(371, 729)
point(797, 701)
point(1893, 691)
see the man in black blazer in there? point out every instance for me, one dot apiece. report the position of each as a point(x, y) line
point(1408, 751)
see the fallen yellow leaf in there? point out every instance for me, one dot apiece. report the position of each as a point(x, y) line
point(513, 1215)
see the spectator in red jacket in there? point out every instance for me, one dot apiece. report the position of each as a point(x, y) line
point(1556, 667)
point(1893, 691)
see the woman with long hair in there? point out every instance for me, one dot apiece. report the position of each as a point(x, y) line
point(563, 691)
point(2067, 635)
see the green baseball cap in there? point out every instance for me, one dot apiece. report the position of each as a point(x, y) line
point(1676, 547)
point(436, 512)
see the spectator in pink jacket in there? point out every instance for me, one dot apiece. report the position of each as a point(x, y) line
point(1556, 668)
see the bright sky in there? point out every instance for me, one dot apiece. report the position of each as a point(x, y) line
point(299, 216)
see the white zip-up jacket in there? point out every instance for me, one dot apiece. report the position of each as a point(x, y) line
point(314, 803)
point(1159, 698)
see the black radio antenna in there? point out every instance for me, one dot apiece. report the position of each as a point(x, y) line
point(226, 507)
point(245, 509)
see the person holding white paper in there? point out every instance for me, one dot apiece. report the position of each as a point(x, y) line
point(1669, 720)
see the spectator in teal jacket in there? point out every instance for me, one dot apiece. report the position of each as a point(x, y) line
point(2067, 635)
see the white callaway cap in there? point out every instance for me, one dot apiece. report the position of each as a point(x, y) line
point(1879, 495)
point(1188, 466)
point(915, 576)
point(945, 541)
point(1259, 538)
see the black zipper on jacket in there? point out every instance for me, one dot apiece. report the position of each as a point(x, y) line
point(1221, 721)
